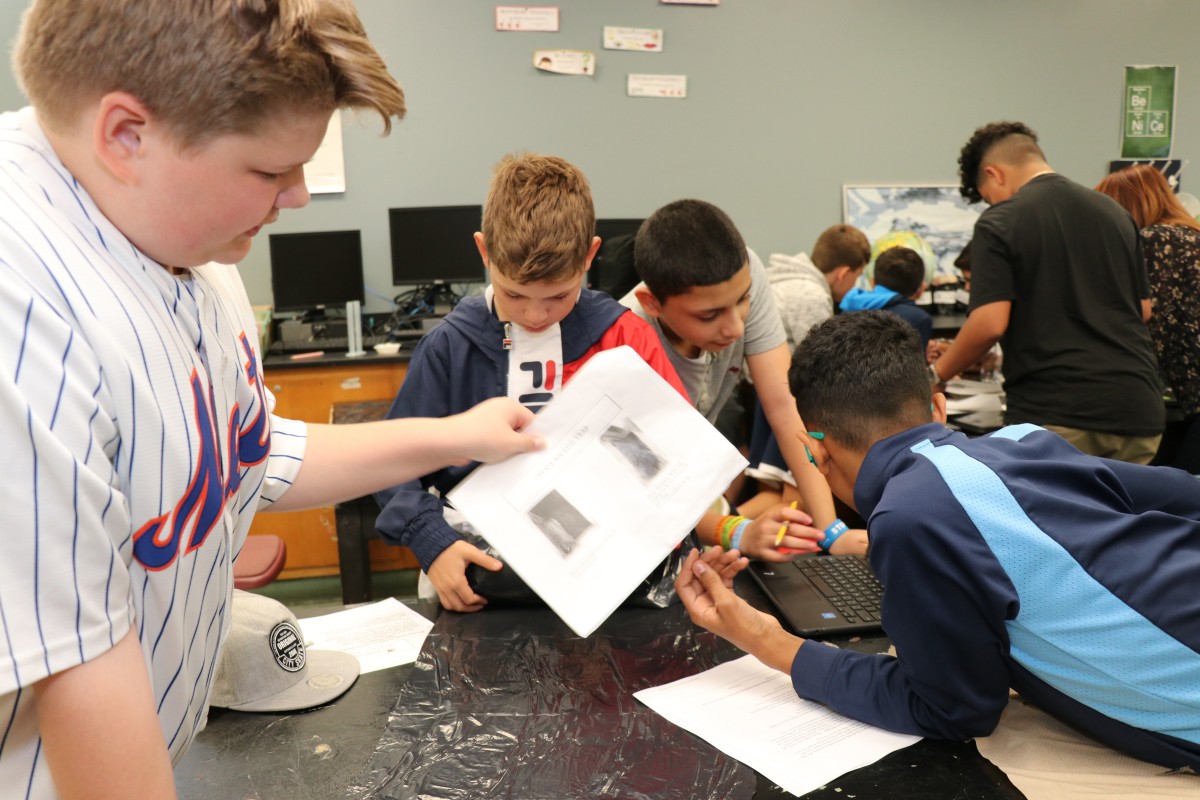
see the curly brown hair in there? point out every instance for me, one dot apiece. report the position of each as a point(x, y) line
point(970, 158)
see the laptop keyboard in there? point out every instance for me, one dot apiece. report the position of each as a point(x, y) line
point(849, 585)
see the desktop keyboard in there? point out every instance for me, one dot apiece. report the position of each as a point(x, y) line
point(328, 343)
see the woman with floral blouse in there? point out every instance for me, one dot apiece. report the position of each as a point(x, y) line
point(1171, 244)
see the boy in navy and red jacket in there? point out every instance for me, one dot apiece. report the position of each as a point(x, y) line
point(524, 338)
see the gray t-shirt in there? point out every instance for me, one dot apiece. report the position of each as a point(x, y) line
point(710, 378)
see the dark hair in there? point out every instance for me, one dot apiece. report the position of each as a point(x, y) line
point(900, 269)
point(963, 259)
point(684, 244)
point(841, 246)
point(861, 377)
point(1015, 136)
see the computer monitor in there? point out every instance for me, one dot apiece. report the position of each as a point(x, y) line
point(435, 245)
point(612, 269)
point(608, 229)
point(312, 270)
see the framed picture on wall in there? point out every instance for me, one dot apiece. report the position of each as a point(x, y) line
point(932, 218)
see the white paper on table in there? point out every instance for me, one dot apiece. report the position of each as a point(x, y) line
point(381, 635)
point(751, 712)
point(963, 387)
point(974, 403)
point(629, 468)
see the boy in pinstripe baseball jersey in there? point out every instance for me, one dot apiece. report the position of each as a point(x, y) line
point(164, 134)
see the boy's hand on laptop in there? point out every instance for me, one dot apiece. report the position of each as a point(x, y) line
point(712, 605)
point(448, 574)
point(763, 540)
point(491, 431)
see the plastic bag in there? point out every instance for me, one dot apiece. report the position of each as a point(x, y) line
point(509, 703)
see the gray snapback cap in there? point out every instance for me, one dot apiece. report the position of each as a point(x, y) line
point(265, 666)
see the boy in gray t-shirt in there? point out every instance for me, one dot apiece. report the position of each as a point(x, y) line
point(708, 298)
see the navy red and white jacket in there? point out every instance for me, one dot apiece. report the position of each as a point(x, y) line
point(463, 362)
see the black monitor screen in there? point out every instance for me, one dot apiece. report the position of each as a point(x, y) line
point(312, 270)
point(608, 229)
point(612, 269)
point(435, 245)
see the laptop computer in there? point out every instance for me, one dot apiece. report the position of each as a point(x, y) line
point(822, 595)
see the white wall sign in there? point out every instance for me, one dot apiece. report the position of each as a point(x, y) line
point(644, 40)
point(565, 62)
point(542, 19)
point(671, 86)
point(326, 173)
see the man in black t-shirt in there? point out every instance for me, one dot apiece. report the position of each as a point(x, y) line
point(1058, 279)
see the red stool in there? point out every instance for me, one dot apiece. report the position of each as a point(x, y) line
point(260, 561)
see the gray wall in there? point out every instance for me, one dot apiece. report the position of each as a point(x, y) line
point(788, 100)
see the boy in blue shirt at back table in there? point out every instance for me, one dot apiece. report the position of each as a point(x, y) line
point(524, 338)
point(1010, 560)
point(899, 280)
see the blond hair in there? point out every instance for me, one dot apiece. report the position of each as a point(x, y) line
point(538, 220)
point(204, 68)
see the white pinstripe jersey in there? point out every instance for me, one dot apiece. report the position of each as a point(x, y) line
point(139, 441)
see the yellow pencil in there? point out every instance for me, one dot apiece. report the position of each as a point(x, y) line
point(783, 529)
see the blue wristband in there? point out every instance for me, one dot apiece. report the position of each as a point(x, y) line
point(832, 533)
point(735, 541)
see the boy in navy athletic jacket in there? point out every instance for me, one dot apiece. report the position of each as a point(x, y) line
point(524, 338)
point(1011, 560)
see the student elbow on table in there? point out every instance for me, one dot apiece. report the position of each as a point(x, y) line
point(1007, 561)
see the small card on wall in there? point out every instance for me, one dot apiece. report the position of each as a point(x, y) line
point(691, 2)
point(542, 19)
point(565, 62)
point(326, 172)
point(644, 40)
point(672, 86)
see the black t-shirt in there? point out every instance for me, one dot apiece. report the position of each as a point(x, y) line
point(1076, 352)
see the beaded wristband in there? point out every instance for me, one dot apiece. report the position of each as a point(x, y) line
point(832, 533)
point(736, 540)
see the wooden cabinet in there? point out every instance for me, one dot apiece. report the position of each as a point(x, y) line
point(308, 392)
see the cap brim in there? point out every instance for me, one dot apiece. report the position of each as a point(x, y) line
point(329, 673)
